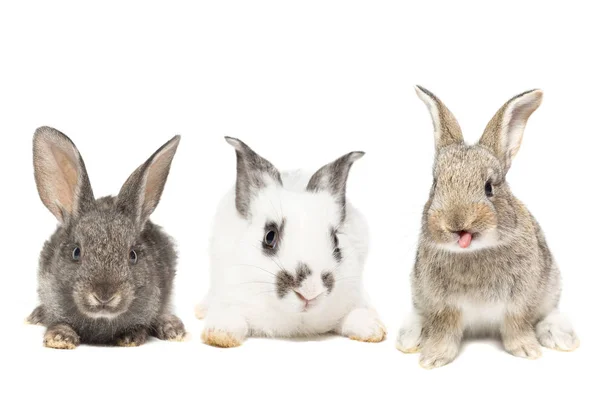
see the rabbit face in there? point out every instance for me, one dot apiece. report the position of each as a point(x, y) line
point(294, 234)
point(107, 266)
point(461, 215)
point(299, 235)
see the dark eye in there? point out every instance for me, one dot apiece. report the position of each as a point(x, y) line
point(271, 239)
point(489, 191)
point(76, 255)
point(133, 257)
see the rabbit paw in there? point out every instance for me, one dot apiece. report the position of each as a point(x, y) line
point(61, 337)
point(220, 338)
point(169, 327)
point(133, 338)
point(438, 355)
point(409, 335)
point(525, 347)
point(224, 328)
point(363, 324)
point(556, 332)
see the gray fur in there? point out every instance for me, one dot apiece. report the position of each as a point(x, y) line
point(337, 252)
point(519, 270)
point(105, 230)
point(333, 177)
point(252, 170)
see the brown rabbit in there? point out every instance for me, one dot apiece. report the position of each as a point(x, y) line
point(482, 263)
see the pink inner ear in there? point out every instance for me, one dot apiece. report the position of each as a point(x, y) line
point(59, 176)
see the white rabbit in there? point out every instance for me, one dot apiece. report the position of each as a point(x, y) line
point(287, 254)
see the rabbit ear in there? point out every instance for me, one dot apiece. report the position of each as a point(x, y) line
point(141, 193)
point(446, 128)
point(60, 174)
point(504, 132)
point(333, 177)
point(253, 173)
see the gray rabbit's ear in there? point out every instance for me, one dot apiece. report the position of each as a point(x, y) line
point(332, 178)
point(504, 132)
point(60, 174)
point(253, 173)
point(445, 127)
point(141, 193)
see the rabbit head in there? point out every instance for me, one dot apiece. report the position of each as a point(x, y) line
point(470, 205)
point(294, 229)
point(99, 262)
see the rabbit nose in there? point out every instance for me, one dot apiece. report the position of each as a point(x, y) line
point(105, 295)
point(103, 300)
point(304, 298)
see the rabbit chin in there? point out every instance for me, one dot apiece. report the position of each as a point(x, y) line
point(481, 240)
point(103, 314)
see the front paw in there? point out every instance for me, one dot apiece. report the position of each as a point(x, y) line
point(169, 327)
point(524, 347)
point(61, 337)
point(221, 338)
point(438, 355)
point(364, 325)
point(224, 328)
point(410, 335)
point(133, 338)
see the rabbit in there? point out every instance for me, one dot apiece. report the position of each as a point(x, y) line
point(287, 253)
point(106, 274)
point(483, 265)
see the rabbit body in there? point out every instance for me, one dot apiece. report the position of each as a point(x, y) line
point(310, 283)
point(483, 265)
point(106, 274)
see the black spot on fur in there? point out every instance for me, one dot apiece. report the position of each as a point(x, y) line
point(337, 253)
point(285, 281)
point(328, 281)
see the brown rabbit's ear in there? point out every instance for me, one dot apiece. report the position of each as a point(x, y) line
point(141, 193)
point(60, 174)
point(446, 128)
point(333, 177)
point(504, 132)
point(253, 173)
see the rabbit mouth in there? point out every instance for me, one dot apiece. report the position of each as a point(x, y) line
point(108, 307)
point(103, 313)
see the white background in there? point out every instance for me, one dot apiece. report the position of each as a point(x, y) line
point(302, 83)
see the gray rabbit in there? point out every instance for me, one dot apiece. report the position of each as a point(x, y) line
point(483, 264)
point(106, 274)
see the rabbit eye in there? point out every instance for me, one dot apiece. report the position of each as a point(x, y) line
point(271, 239)
point(133, 257)
point(76, 255)
point(489, 191)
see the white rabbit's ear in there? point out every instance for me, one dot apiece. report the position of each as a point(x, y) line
point(253, 173)
point(333, 177)
point(60, 174)
point(445, 127)
point(504, 132)
point(141, 193)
